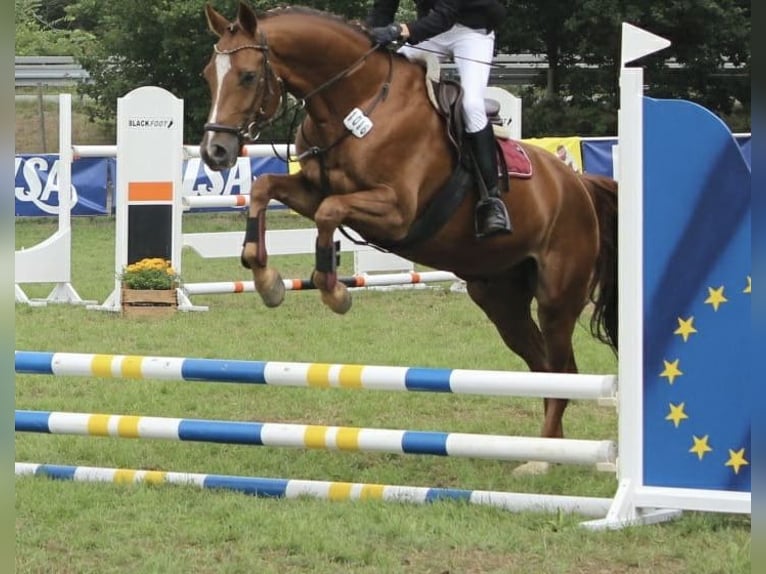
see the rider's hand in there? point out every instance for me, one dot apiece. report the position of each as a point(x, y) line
point(387, 34)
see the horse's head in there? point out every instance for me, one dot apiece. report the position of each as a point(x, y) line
point(246, 92)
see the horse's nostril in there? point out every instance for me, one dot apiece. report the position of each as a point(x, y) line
point(217, 152)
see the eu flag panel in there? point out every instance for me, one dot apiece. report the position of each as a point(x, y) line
point(697, 284)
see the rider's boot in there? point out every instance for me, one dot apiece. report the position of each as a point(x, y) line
point(491, 214)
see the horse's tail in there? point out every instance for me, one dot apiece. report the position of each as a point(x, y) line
point(603, 323)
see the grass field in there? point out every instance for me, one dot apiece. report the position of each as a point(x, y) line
point(79, 528)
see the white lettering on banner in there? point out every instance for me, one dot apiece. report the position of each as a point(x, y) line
point(40, 183)
point(209, 182)
point(239, 176)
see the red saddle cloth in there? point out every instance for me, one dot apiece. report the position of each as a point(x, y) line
point(516, 159)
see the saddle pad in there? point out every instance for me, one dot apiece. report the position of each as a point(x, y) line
point(517, 160)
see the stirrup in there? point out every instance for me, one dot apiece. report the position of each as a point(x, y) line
point(491, 218)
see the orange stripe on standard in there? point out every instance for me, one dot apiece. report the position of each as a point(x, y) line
point(98, 425)
point(318, 375)
point(101, 366)
point(239, 287)
point(150, 191)
point(131, 367)
point(241, 200)
point(314, 436)
point(415, 277)
point(350, 376)
point(127, 426)
point(340, 491)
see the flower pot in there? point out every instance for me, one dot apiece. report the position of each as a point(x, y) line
point(149, 302)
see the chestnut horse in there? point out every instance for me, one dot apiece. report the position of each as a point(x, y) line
point(380, 181)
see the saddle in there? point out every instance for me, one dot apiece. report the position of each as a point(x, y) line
point(446, 96)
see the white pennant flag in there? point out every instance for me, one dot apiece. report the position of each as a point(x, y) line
point(637, 43)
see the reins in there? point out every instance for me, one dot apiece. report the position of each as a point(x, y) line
point(250, 130)
point(381, 96)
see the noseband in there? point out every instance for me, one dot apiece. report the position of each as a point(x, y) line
point(257, 118)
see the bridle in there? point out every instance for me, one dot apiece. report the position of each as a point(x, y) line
point(258, 118)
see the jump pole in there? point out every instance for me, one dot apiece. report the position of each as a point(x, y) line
point(361, 281)
point(50, 261)
point(323, 490)
point(598, 453)
point(578, 386)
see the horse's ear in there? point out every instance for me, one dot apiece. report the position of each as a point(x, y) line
point(215, 21)
point(247, 20)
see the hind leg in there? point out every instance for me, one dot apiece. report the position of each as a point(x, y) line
point(507, 303)
point(561, 297)
point(548, 348)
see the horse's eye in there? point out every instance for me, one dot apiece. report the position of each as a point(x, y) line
point(247, 78)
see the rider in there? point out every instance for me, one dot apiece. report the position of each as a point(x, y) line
point(463, 29)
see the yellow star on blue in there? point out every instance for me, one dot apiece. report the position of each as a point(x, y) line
point(715, 297)
point(671, 371)
point(676, 414)
point(749, 287)
point(737, 460)
point(701, 447)
point(685, 328)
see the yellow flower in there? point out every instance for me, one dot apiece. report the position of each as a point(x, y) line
point(150, 273)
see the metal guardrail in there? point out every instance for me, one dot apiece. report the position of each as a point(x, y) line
point(48, 70)
point(507, 69)
point(514, 69)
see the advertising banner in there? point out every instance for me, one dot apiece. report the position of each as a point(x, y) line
point(36, 182)
point(199, 180)
point(37, 185)
point(566, 149)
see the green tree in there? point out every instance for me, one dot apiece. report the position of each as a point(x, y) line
point(710, 53)
point(147, 42)
point(40, 31)
point(166, 43)
point(580, 40)
point(162, 43)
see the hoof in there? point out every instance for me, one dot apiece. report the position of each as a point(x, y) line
point(271, 288)
point(339, 300)
point(532, 468)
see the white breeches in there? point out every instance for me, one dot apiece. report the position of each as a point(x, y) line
point(472, 51)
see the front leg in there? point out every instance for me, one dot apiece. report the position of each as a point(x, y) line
point(294, 192)
point(375, 209)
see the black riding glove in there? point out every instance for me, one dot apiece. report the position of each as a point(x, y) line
point(384, 35)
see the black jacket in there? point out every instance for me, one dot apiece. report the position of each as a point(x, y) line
point(437, 16)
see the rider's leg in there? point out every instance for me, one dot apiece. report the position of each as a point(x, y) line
point(473, 56)
point(491, 213)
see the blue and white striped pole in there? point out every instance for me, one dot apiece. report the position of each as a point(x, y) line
point(321, 375)
point(292, 488)
point(601, 453)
